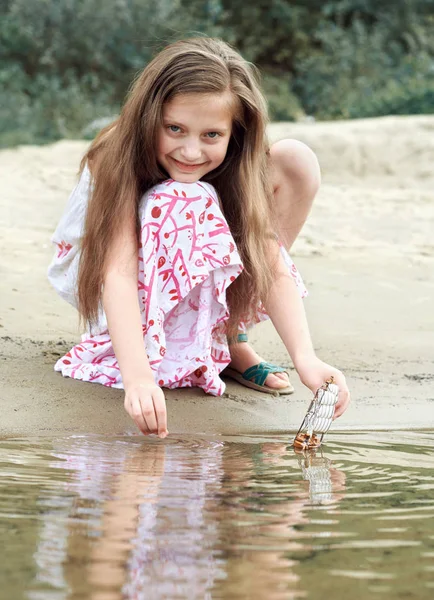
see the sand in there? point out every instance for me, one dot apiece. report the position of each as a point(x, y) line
point(366, 254)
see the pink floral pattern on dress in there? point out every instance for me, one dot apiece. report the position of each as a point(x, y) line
point(63, 249)
point(187, 259)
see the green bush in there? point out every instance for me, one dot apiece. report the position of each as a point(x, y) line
point(283, 104)
point(408, 89)
point(359, 72)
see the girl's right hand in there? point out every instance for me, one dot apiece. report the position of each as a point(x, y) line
point(146, 405)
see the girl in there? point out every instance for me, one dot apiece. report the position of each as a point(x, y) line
point(171, 245)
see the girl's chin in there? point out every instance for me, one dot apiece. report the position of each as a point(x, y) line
point(185, 177)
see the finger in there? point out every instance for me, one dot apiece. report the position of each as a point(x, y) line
point(343, 398)
point(160, 412)
point(148, 412)
point(135, 412)
point(342, 404)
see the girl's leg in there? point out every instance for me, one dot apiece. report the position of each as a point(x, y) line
point(296, 178)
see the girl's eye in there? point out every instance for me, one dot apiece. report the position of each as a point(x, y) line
point(174, 128)
point(213, 134)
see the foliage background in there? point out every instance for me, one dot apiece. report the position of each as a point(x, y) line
point(65, 63)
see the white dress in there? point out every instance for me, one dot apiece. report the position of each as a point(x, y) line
point(187, 259)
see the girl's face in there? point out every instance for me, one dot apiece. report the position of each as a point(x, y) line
point(194, 135)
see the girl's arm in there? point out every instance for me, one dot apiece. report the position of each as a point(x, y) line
point(144, 399)
point(285, 308)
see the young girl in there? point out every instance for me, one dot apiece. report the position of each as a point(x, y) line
point(171, 245)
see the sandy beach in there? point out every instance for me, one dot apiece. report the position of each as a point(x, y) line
point(366, 255)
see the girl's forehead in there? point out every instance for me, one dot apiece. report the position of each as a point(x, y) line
point(200, 106)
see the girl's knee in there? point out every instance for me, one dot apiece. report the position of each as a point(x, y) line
point(161, 197)
point(296, 164)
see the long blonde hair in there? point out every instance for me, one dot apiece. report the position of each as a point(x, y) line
point(124, 165)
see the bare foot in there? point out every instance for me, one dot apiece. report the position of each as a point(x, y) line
point(243, 357)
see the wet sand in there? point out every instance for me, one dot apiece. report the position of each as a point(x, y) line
point(366, 254)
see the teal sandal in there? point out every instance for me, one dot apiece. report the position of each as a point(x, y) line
point(254, 377)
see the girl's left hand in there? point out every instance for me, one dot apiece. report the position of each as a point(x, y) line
point(313, 373)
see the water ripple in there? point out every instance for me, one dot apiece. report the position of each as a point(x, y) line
point(224, 517)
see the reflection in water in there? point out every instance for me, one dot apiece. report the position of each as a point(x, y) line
point(124, 518)
point(322, 477)
point(266, 501)
point(149, 536)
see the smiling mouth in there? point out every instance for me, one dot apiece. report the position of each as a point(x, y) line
point(186, 166)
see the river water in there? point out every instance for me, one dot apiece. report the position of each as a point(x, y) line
point(92, 517)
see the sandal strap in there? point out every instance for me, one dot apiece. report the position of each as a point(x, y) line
point(260, 372)
point(242, 337)
point(281, 369)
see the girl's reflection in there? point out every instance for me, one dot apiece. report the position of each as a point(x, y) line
point(185, 519)
point(155, 536)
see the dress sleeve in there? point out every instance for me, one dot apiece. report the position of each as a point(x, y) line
point(63, 270)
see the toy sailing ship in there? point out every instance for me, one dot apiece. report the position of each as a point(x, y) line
point(318, 418)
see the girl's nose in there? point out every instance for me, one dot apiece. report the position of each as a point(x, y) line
point(191, 152)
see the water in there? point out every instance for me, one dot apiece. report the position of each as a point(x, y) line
point(233, 517)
